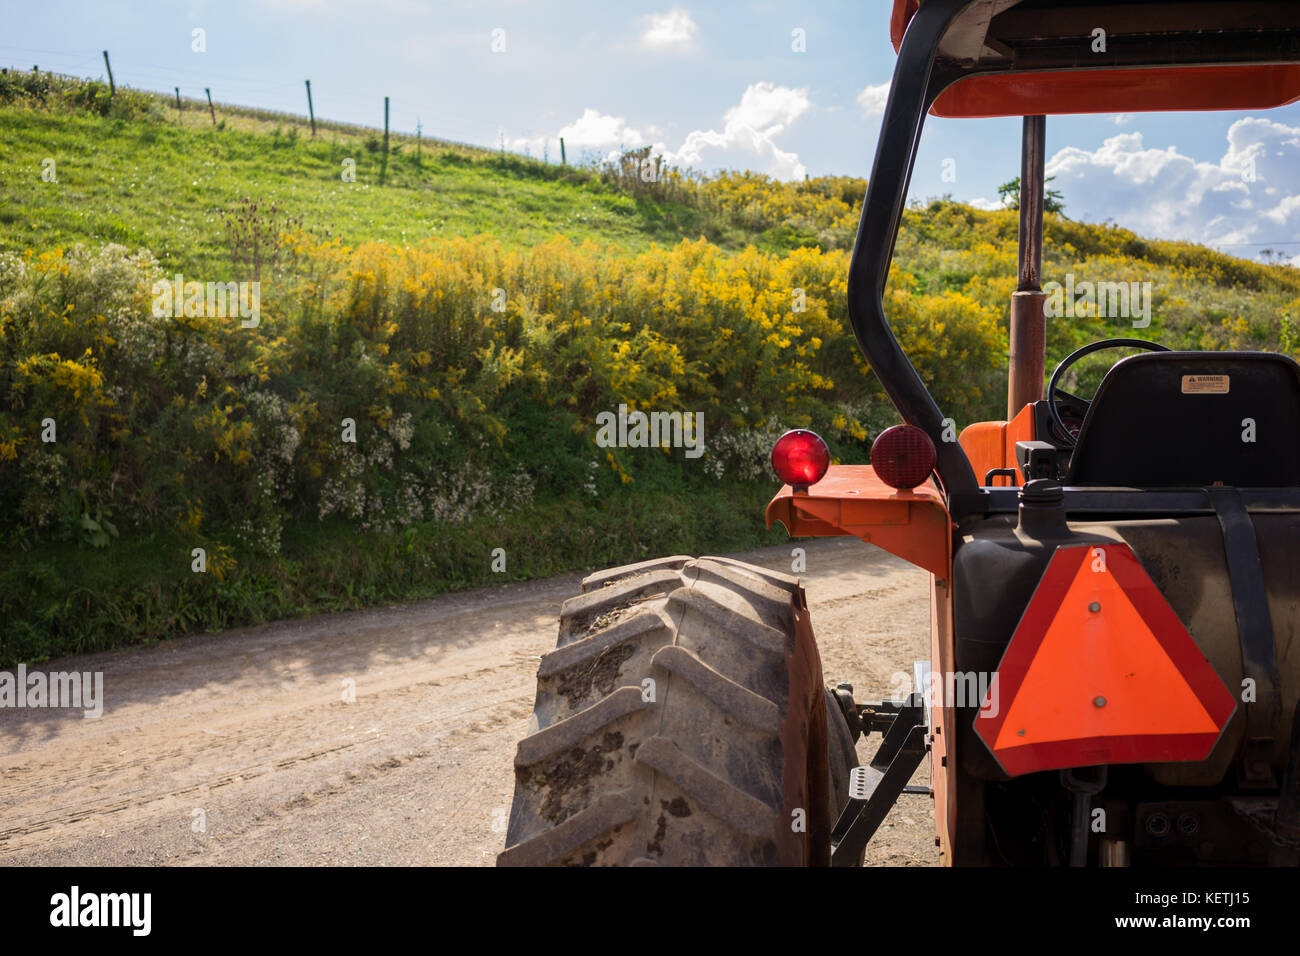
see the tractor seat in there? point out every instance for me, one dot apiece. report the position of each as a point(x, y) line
point(1170, 419)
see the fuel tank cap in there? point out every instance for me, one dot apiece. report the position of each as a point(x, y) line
point(1042, 509)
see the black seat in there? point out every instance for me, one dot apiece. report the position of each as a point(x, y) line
point(1169, 419)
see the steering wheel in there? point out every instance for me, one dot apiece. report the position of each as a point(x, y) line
point(1053, 404)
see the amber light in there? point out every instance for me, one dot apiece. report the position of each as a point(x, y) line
point(800, 458)
point(903, 456)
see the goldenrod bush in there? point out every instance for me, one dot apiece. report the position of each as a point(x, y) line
point(470, 375)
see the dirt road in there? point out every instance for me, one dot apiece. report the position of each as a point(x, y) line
point(240, 748)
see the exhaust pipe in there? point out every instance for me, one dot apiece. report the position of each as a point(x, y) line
point(1028, 344)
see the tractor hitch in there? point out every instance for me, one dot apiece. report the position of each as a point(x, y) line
point(869, 718)
point(876, 787)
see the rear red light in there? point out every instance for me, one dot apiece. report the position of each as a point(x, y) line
point(903, 456)
point(800, 458)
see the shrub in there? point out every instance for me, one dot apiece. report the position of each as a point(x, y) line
point(446, 360)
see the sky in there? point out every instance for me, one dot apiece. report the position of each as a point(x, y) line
point(787, 89)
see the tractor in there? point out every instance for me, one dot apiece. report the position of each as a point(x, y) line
point(1114, 582)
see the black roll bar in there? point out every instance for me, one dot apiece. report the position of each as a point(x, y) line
point(912, 92)
point(1265, 34)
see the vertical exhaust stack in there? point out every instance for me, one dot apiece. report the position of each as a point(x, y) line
point(1028, 346)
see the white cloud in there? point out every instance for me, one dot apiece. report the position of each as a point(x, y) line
point(986, 204)
point(873, 99)
point(748, 130)
point(1122, 119)
point(673, 30)
point(745, 141)
point(1284, 211)
point(1248, 195)
point(768, 108)
point(593, 130)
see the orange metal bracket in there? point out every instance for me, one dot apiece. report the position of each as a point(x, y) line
point(991, 445)
point(852, 500)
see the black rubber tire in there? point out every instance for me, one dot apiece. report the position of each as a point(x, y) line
point(681, 720)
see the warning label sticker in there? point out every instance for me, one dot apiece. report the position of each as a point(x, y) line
point(1205, 384)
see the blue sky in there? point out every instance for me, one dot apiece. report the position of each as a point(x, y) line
point(714, 85)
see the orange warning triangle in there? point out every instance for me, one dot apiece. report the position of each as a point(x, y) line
point(1100, 670)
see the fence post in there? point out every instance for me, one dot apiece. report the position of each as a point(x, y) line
point(418, 130)
point(112, 87)
point(383, 170)
point(211, 111)
point(178, 98)
point(563, 161)
point(311, 112)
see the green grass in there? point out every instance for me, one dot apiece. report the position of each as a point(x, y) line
point(64, 598)
point(165, 185)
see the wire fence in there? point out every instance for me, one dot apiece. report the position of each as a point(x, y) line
point(188, 103)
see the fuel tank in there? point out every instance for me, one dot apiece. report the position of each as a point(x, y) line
point(998, 563)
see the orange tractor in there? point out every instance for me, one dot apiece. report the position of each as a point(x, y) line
point(1115, 588)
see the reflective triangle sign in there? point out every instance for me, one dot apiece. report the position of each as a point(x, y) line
point(1100, 670)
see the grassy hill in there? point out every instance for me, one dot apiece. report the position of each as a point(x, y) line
point(148, 175)
point(164, 186)
point(470, 317)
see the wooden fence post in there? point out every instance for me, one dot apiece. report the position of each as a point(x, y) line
point(310, 111)
point(383, 170)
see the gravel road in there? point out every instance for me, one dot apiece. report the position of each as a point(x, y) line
point(240, 748)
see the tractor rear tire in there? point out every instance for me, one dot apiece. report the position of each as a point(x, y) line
point(681, 720)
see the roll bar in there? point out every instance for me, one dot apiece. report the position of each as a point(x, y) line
point(921, 75)
point(915, 86)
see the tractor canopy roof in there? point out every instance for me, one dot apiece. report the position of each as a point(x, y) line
point(1032, 57)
